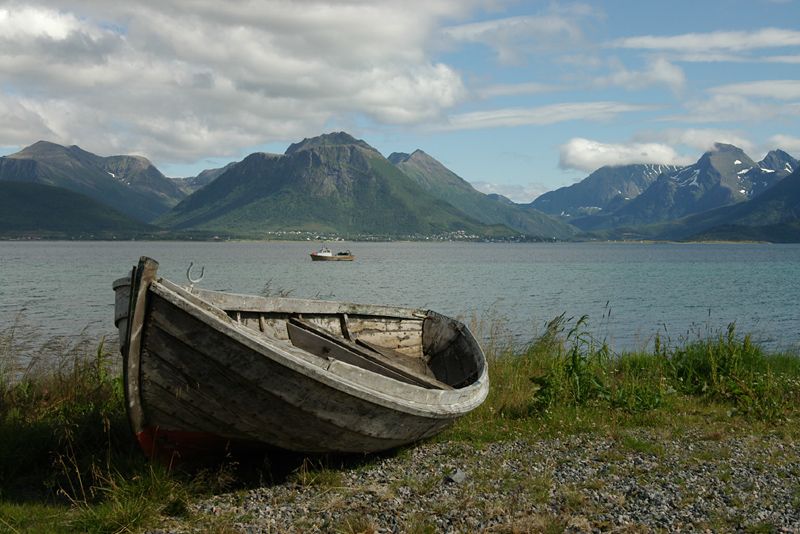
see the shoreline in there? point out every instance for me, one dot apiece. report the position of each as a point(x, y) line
point(524, 240)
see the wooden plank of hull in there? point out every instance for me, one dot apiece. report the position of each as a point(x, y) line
point(401, 335)
point(178, 399)
point(181, 447)
point(142, 276)
point(218, 390)
point(229, 406)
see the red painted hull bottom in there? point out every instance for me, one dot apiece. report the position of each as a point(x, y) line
point(178, 447)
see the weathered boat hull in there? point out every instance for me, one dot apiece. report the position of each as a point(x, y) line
point(207, 370)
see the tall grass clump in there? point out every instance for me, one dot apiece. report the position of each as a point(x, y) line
point(566, 379)
point(67, 461)
point(57, 404)
point(732, 368)
point(567, 367)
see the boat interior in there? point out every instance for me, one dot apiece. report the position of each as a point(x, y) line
point(380, 345)
point(425, 349)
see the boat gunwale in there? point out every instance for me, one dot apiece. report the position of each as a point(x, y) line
point(253, 303)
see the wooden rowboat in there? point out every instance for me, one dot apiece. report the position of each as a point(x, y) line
point(205, 371)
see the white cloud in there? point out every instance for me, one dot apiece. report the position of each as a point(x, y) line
point(184, 80)
point(660, 147)
point(730, 107)
point(180, 80)
point(754, 102)
point(29, 23)
point(511, 117)
point(19, 114)
point(512, 39)
point(781, 59)
point(659, 71)
point(699, 140)
point(587, 155)
point(787, 143)
point(514, 192)
point(735, 41)
point(530, 88)
point(777, 89)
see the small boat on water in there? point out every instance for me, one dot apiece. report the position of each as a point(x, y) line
point(325, 254)
point(206, 371)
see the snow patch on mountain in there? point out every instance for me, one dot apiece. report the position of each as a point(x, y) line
point(691, 180)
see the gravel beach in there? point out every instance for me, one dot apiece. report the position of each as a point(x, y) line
point(635, 481)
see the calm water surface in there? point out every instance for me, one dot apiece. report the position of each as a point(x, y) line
point(629, 292)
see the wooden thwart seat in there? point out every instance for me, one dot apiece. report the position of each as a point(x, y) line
point(375, 358)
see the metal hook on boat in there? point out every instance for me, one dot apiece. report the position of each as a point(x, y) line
point(189, 275)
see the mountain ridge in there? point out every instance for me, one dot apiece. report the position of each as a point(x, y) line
point(440, 181)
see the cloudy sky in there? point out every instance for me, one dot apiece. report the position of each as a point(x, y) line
point(514, 97)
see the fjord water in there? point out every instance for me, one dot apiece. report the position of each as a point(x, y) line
point(628, 291)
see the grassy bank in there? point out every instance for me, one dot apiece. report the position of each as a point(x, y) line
point(68, 462)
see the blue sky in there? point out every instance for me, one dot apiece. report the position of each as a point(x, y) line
point(515, 97)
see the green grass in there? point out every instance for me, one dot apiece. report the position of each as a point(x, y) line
point(566, 381)
point(69, 463)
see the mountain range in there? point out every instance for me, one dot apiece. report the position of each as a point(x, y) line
point(776, 208)
point(721, 177)
point(130, 184)
point(335, 183)
point(331, 183)
point(606, 189)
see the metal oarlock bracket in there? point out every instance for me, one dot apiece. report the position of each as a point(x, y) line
point(189, 275)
